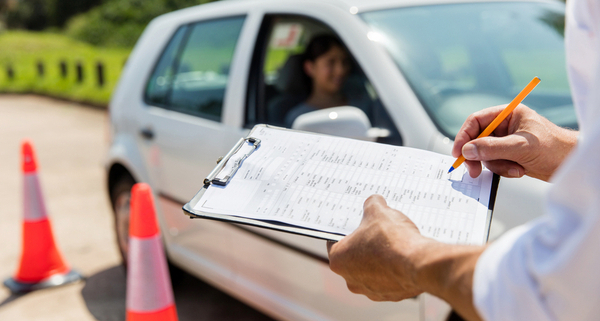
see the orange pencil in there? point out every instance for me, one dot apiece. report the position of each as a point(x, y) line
point(501, 117)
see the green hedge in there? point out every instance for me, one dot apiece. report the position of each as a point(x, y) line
point(22, 51)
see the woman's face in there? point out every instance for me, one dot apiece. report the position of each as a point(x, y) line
point(329, 70)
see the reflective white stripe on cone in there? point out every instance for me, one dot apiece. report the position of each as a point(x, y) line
point(148, 282)
point(33, 201)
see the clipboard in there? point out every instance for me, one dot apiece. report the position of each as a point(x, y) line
point(226, 168)
point(212, 178)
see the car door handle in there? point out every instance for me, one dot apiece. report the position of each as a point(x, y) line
point(147, 133)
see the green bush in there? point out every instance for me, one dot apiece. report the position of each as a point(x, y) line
point(119, 23)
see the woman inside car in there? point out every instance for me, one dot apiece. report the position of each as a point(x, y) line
point(327, 65)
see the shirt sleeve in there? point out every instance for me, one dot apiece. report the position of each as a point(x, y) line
point(549, 269)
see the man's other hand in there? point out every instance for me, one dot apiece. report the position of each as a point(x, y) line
point(387, 259)
point(376, 259)
point(525, 143)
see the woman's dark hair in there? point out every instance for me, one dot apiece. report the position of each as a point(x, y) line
point(317, 46)
point(320, 45)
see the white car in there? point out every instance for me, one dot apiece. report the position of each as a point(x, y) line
point(198, 79)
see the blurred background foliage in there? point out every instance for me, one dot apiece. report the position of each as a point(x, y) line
point(121, 22)
point(115, 23)
point(82, 33)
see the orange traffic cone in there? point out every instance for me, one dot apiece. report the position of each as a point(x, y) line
point(149, 292)
point(42, 264)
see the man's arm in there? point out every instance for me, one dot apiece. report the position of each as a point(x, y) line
point(446, 271)
point(387, 259)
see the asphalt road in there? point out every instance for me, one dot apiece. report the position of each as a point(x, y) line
point(70, 143)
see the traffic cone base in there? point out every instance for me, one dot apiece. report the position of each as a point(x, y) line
point(168, 313)
point(17, 287)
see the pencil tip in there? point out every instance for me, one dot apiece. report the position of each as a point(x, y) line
point(451, 169)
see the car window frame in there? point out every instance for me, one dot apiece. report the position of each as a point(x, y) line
point(256, 82)
point(255, 88)
point(175, 64)
point(257, 65)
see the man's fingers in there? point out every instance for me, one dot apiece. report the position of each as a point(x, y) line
point(506, 168)
point(511, 147)
point(329, 246)
point(473, 126)
point(373, 204)
point(474, 168)
point(337, 260)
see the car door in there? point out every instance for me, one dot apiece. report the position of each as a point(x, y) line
point(295, 269)
point(183, 136)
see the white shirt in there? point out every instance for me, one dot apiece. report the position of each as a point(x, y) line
point(549, 269)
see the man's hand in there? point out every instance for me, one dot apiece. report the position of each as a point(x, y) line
point(387, 259)
point(525, 143)
point(376, 259)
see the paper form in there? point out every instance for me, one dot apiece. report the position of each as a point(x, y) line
point(321, 182)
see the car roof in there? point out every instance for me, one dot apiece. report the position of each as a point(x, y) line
point(369, 5)
point(350, 6)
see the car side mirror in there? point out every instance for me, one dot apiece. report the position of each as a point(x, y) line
point(346, 121)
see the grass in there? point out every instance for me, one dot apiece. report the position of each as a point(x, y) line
point(22, 51)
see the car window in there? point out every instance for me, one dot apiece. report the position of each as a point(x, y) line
point(283, 84)
point(160, 82)
point(195, 80)
point(460, 58)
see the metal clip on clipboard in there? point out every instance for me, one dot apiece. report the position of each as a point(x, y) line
point(212, 177)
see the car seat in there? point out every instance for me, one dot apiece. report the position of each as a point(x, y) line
point(293, 87)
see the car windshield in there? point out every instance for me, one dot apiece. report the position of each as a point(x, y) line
point(460, 58)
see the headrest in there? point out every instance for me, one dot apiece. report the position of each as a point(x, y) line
point(291, 79)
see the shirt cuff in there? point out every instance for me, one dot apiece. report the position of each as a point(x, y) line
point(488, 274)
